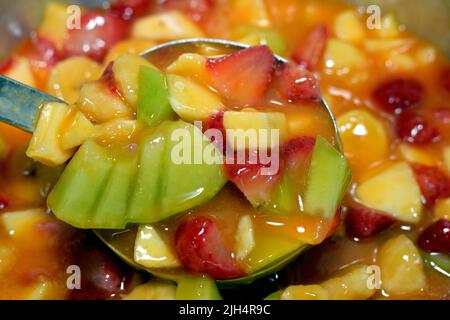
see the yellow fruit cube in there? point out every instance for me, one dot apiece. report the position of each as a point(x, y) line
point(20, 70)
point(393, 191)
point(191, 100)
point(131, 46)
point(446, 156)
point(151, 251)
point(19, 223)
point(115, 130)
point(340, 55)
point(54, 24)
point(189, 64)
point(389, 27)
point(153, 290)
point(45, 290)
point(415, 155)
point(45, 145)
point(166, 26)
point(402, 62)
point(348, 27)
point(78, 130)
point(441, 209)
point(251, 12)
point(402, 269)
point(308, 292)
point(245, 238)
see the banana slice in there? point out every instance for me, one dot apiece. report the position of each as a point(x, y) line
point(69, 75)
point(133, 46)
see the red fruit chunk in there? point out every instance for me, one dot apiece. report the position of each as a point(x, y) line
point(216, 122)
point(4, 201)
point(242, 77)
point(311, 48)
point(108, 79)
point(130, 9)
point(4, 67)
point(434, 183)
point(201, 249)
point(414, 128)
point(363, 223)
point(436, 238)
point(298, 84)
point(300, 147)
point(43, 53)
point(398, 95)
point(97, 34)
point(446, 79)
point(195, 9)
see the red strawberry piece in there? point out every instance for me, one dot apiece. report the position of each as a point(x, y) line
point(4, 201)
point(446, 79)
point(311, 48)
point(363, 223)
point(415, 129)
point(397, 95)
point(298, 84)
point(201, 249)
point(242, 77)
point(4, 67)
point(130, 9)
point(436, 238)
point(298, 148)
point(216, 122)
point(97, 34)
point(197, 10)
point(433, 182)
point(43, 53)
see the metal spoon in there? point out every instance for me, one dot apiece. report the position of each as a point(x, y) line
point(19, 106)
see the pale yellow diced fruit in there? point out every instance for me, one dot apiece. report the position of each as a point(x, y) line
point(389, 27)
point(189, 64)
point(348, 27)
point(151, 251)
point(126, 73)
point(116, 130)
point(353, 284)
point(166, 26)
point(20, 70)
point(425, 55)
point(340, 54)
point(415, 155)
point(19, 223)
point(78, 130)
point(45, 145)
point(251, 12)
point(44, 290)
point(305, 292)
point(358, 129)
point(401, 62)
point(254, 130)
point(384, 45)
point(446, 156)
point(401, 266)
point(441, 209)
point(54, 24)
point(100, 105)
point(153, 290)
point(191, 100)
point(245, 237)
point(69, 75)
point(394, 191)
point(132, 46)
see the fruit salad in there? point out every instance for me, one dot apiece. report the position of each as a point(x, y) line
point(207, 172)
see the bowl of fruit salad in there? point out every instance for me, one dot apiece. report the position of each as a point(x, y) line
point(308, 160)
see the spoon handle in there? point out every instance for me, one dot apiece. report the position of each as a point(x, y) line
point(19, 104)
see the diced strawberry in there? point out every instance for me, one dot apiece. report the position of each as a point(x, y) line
point(43, 53)
point(98, 33)
point(216, 122)
point(130, 9)
point(298, 84)
point(4, 67)
point(4, 201)
point(414, 128)
point(195, 9)
point(311, 48)
point(296, 148)
point(363, 223)
point(436, 238)
point(201, 249)
point(397, 95)
point(242, 77)
point(446, 79)
point(433, 182)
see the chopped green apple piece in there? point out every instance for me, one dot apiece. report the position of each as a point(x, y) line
point(153, 101)
point(328, 179)
point(151, 251)
point(197, 288)
point(261, 36)
point(393, 191)
point(438, 261)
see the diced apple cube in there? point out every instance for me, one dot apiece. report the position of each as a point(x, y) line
point(340, 54)
point(402, 269)
point(393, 191)
point(348, 27)
point(19, 223)
point(190, 100)
point(131, 46)
point(189, 64)
point(54, 24)
point(20, 70)
point(151, 251)
point(245, 238)
point(441, 209)
point(416, 155)
point(100, 105)
point(45, 145)
point(166, 26)
point(78, 130)
point(153, 290)
point(245, 123)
